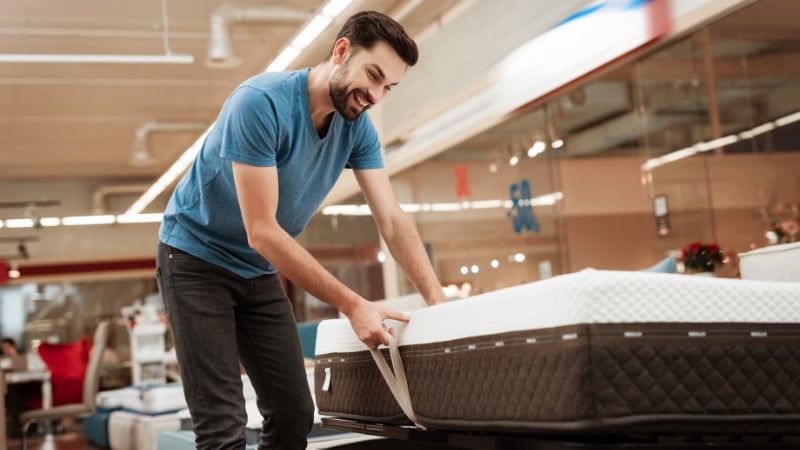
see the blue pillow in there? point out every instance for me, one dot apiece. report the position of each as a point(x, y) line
point(308, 337)
point(667, 265)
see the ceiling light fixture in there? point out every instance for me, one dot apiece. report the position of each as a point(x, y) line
point(220, 49)
point(167, 58)
point(22, 249)
point(100, 59)
point(22, 246)
point(13, 270)
point(538, 147)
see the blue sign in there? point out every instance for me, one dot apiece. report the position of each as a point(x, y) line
point(521, 213)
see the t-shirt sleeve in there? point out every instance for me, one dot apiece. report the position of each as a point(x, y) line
point(248, 128)
point(367, 153)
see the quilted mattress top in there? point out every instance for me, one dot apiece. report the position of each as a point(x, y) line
point(586, 297)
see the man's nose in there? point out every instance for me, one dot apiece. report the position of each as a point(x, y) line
point(375, 95)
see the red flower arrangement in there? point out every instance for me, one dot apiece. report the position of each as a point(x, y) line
point(701, 257)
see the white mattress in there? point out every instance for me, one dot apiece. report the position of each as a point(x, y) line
point(153, 400)
point(110, 400)
point(586, 297)
point(130, 431)
point(774, 263)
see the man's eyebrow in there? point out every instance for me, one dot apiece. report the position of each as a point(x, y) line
point(377, 68)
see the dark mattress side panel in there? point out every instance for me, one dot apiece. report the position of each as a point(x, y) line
point(356, 390)
point(674, 378)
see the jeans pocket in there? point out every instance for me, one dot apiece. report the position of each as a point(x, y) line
point(161, 286)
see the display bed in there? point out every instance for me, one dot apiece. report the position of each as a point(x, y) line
point(588, 352)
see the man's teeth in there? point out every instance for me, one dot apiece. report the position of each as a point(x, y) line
point(358, 100)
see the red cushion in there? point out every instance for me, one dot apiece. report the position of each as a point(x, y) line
point(67, 364)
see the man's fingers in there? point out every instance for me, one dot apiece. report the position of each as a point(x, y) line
point(389, 314)
point(383, 339)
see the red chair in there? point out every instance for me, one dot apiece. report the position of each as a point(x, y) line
point(85, 406)
point(67, 364)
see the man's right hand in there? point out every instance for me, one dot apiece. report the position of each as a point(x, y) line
point(367, 320)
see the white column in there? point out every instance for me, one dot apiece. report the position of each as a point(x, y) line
point(391, 283)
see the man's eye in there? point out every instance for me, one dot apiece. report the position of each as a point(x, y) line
point(387, 88)
point(373, 75)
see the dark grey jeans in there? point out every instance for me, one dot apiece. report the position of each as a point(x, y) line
point(217, 319)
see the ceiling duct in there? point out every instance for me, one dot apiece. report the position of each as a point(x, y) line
point(101, 192)
point(141, 155)
point(220, 50)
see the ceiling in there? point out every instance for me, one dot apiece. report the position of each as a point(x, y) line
point(80, 121)
point(661, 104)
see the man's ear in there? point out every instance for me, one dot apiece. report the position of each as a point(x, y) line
point(340, 49)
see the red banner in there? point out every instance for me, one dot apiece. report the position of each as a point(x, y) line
point(3, 272)
point(462, 182)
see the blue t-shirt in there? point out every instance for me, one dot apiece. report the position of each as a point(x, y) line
point(264, 122)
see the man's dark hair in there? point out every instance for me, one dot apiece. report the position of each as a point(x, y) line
point(365, 29)
point(8, 340)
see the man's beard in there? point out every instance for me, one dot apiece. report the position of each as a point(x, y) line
point(340, 97)
point(341, 101)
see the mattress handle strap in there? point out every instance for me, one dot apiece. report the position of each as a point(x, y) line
point(396, 381)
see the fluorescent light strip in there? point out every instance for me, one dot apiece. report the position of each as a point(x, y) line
point(786, 120)
point(283, 60)
point(103, 219)
point(311, 31)
point(140, 218)
point(19, 223)
point(177, 168)
point(50, 221)
point(761, 129)
point(335, 7)
point(484, 204)
point(306, 36)
point(445, 207)
point(719, 142)
point(363, 210)
point(97, 59)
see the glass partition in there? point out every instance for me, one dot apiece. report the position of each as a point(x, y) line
point(695, 140)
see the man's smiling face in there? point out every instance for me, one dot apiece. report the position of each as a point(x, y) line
point(363, 78)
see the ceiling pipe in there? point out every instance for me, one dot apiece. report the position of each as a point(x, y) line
point(220, 50)
point(141, 155)
point(101, 192)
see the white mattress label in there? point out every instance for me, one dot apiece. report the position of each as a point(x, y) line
point(326, 385)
